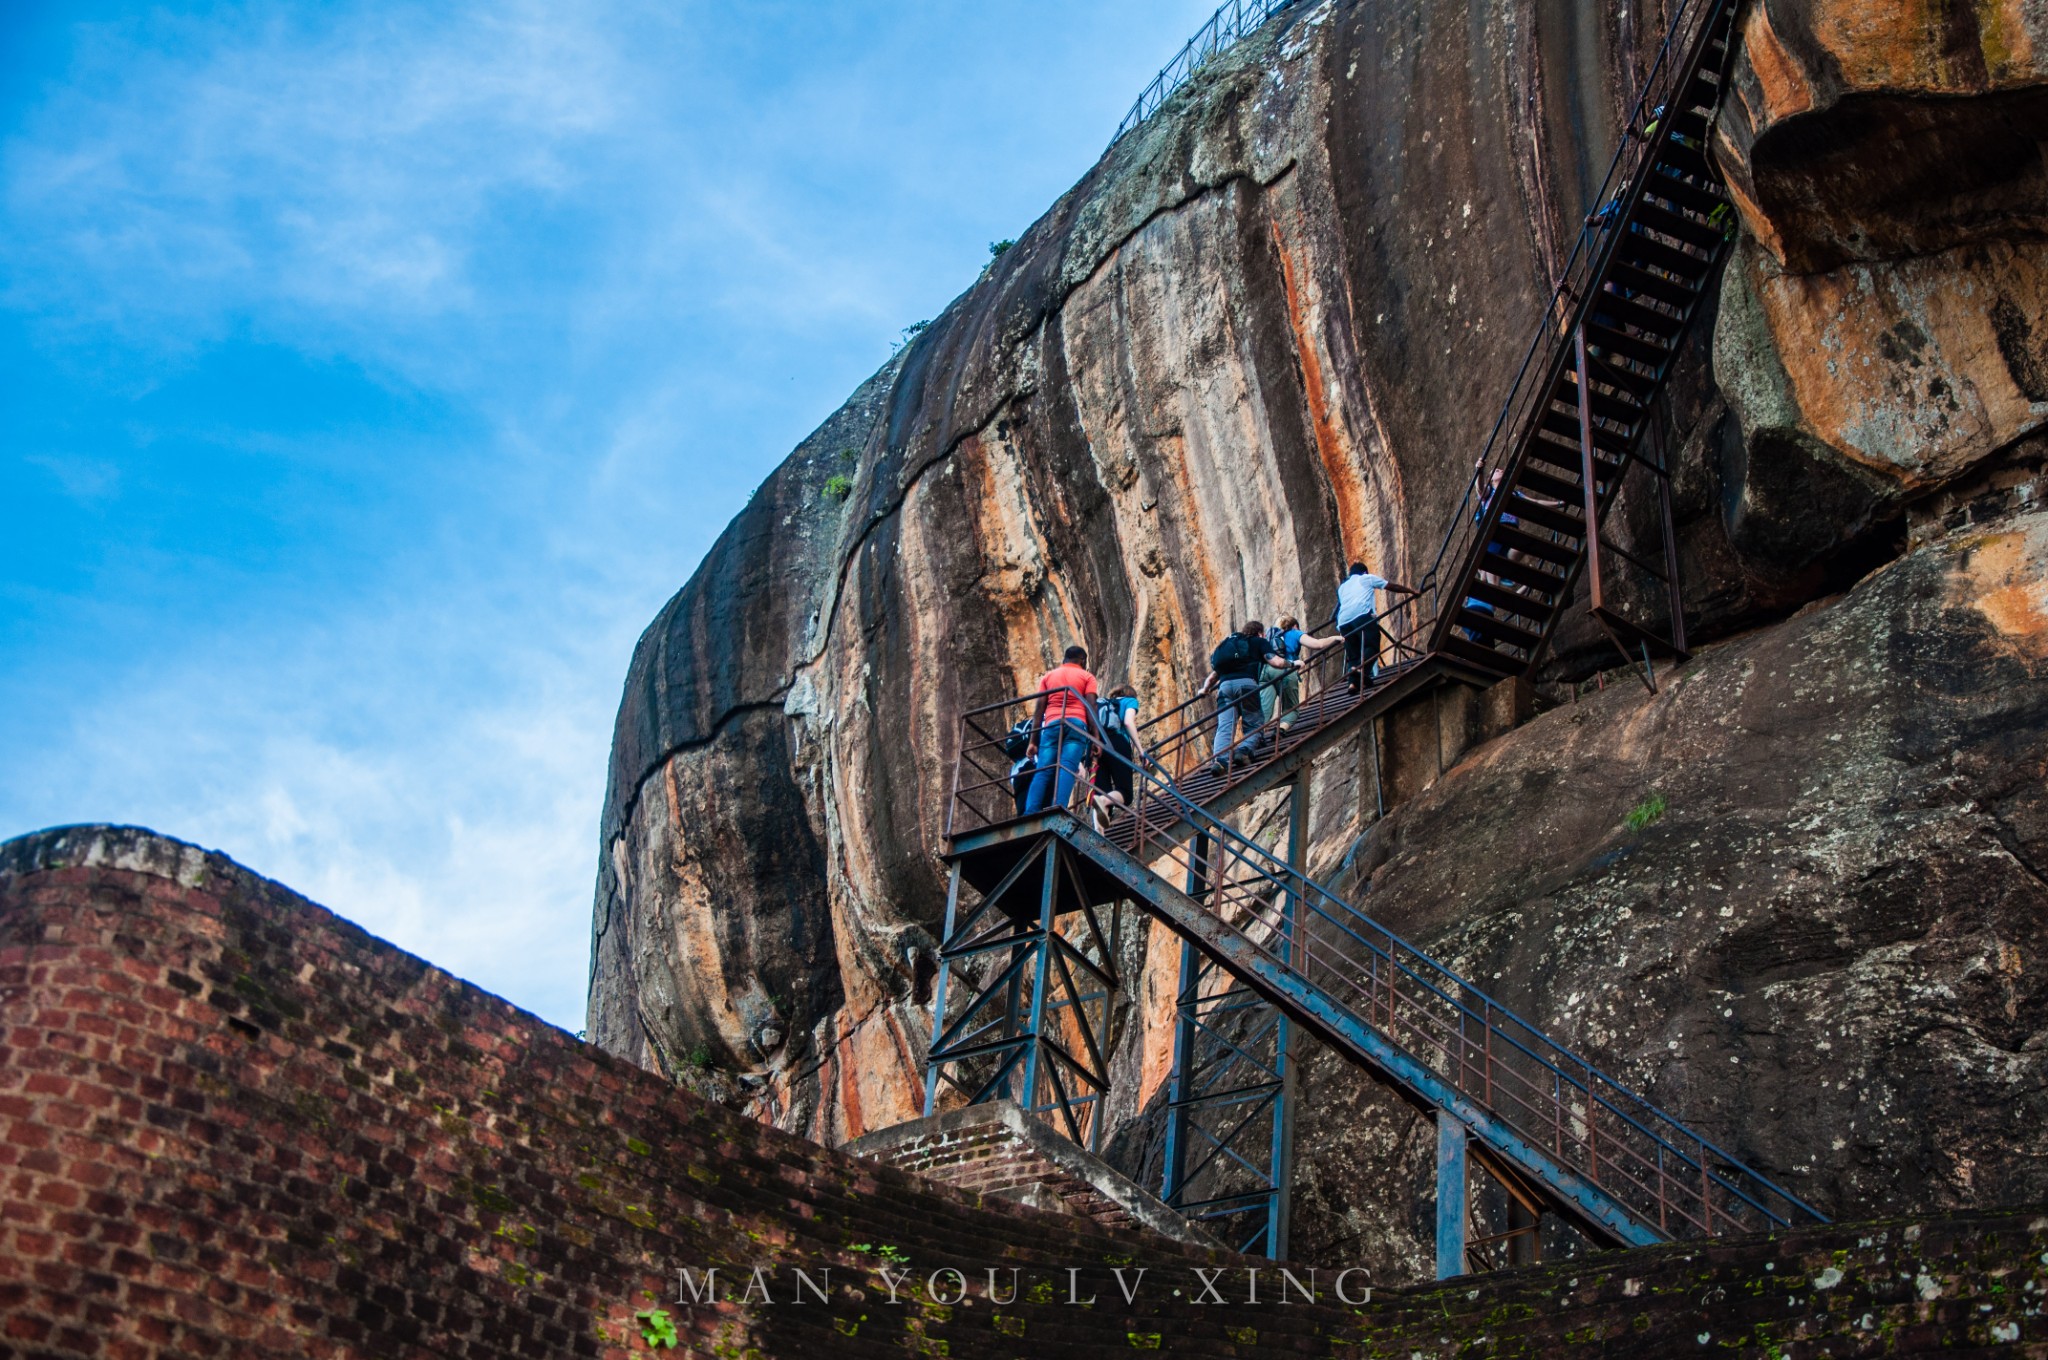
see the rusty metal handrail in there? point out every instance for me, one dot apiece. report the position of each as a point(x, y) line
point(1234, 19)
point(1170, 745)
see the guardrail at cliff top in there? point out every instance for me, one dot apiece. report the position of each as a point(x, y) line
point(1232, 21)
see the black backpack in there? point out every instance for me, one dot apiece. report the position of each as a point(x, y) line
point(1234, 653)
point(1019, 739)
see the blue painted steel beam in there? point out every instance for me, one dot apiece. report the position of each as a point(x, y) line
point(1451, 1188)
point(1584, 1200)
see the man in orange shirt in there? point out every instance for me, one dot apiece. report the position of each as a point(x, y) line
point(1065, 695)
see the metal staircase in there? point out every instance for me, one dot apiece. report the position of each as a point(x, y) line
point(1542, 1118)
point(1584, 413)
point(1029, 961)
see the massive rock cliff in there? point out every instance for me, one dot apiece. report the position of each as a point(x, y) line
point(1268, 333)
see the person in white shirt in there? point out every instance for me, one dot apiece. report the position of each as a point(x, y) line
point(1358, 620)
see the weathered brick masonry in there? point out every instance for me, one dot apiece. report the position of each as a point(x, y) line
point(996, 1149)
point(232, 1124)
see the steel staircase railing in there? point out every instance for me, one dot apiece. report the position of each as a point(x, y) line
point(1623, 1167)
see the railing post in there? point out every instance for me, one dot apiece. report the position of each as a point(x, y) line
point(1487, 1016)
point(1706, 1190)
point(1592, 1130)
point(1664, 461)
point(1663, 1193)
point(1596, 598)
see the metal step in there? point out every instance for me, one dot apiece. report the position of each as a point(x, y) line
point(1545, 483)
point(1515, 540)
point(1643, 351)
point(1609, 448)
point(1494, 627)
point(1483, 657)
point(1566, 516)
point(1696, 234)
point(1613, 310)
point(1686, 160)
point(1665, 290)
point(1606, 405)
point(1701, 198)
point(1538, 609)
point(1641, 249)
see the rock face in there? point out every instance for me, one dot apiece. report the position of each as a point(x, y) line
point(1268, 334)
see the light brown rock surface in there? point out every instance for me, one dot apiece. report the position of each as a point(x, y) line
point(1882, 330)
point(1266, 334)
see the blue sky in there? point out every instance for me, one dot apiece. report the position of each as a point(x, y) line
point(372, 373)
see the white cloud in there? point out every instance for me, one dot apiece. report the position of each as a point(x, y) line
point(631, 251)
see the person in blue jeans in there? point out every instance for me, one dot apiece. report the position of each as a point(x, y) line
point(1234, 674)
point(1061, 749)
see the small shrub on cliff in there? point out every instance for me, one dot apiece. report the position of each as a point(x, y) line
point(838, 487)
point(1645, 812)
point(996, 248)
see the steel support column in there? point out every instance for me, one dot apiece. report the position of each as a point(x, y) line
point(1027, 982)
point(1230, 1095)
point(1451, 1184)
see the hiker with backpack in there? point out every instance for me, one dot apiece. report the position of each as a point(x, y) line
point(1017, 746)
point(1061, 745)
point(1116, 768)
point(1234, 674)
point(1280, 677)
point(1358, 621)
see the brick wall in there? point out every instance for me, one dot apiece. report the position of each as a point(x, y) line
point(996, 1149)
point(232, 1124)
